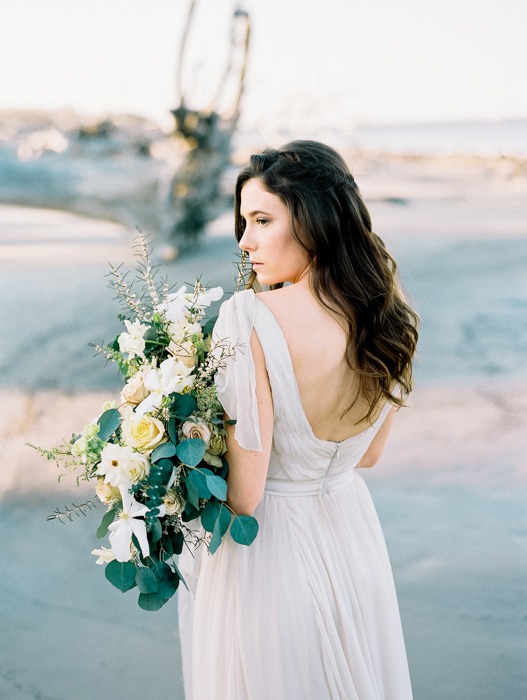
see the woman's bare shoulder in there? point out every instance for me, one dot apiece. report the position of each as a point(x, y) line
point(286, 298)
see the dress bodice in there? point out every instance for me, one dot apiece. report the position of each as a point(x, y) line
point(297, 454)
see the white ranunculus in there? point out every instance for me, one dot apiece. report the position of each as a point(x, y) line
point(133, 342)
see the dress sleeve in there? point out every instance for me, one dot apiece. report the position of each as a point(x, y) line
point(236, 376)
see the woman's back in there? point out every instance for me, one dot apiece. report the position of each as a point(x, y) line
point(317, 342)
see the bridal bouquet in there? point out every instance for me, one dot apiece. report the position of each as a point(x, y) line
point(156, 457)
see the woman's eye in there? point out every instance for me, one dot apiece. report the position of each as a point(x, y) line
point(262, 222)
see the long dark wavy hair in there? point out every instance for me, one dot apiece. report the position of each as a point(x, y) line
point(352, 273)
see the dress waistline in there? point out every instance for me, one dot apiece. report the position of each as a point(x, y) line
point(310, 487)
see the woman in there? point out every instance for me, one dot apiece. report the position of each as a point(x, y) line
point(309, 610)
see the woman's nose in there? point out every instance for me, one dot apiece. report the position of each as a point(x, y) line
point(246, 243)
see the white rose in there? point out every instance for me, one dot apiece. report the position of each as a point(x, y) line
point(174, 503)
point(196, 429)
point(134, 391)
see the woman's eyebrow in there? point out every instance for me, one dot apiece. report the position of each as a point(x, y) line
point(257, 211)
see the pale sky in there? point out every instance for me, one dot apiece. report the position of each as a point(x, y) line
point(323, 63)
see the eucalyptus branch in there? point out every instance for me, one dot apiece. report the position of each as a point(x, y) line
point(69, 512)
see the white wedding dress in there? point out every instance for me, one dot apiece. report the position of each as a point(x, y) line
point(309, 610)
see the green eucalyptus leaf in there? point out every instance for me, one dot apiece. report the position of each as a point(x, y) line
point(168, 581)
point(190, 512)
point(192, 493)
point(108, 423)
point(224, 519)
point(168, 548)
point(163, 451)
point(210, 514)
point(191, 451)
point(244, 529)
point(220, 528)
point(155, 530)
point(215, 540)
point(178, 540)
point(172, 430)
point(165, 467)
point(151, 601)
point(199, 480)
point(146, 580)
point(217, 486)
point(183, 405)
point(107, 519)
point(121, 574)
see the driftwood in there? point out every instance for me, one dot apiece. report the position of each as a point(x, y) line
point(195, 193)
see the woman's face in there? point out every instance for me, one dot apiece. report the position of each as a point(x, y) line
point(274, 253)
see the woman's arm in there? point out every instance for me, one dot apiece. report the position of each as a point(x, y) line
point(247, 468)
point(375, 450)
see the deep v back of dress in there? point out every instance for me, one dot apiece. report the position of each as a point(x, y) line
point(309, 610)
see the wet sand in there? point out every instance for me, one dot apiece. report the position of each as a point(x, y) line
point(448, 488)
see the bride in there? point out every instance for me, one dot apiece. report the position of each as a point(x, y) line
point(321, 365)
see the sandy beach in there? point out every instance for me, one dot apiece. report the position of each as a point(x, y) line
point(449, 488)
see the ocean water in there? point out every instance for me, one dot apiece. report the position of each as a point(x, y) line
point(472, 299)
point(488, 138)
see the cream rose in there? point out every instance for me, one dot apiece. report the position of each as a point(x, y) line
point(143, 432)
point(138, 468)
point(106, 492)
point(184, 351)
point(196, 429)
point(134, 391)
point(174, 503)
point(217, 446)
